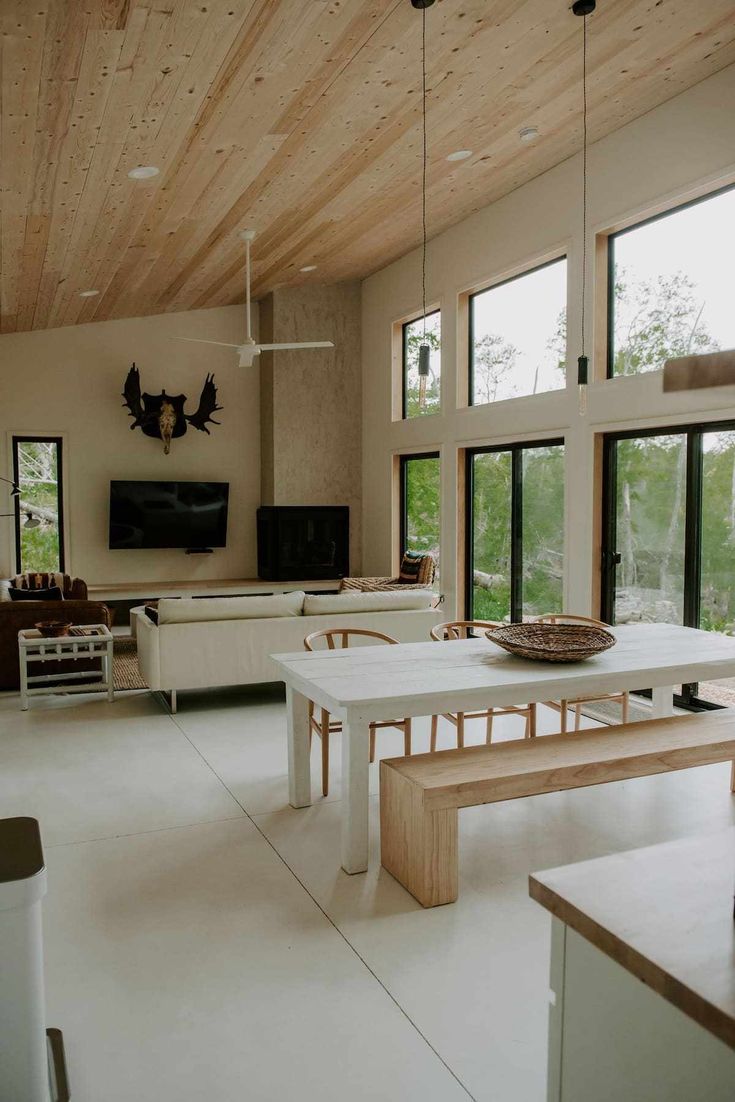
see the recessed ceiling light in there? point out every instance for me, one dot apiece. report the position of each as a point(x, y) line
point(143, 172)
point(528, 133)
point(88, 294)
point(459, 155)
point(308, 268)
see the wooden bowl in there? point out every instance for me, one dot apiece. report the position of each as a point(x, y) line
point(552, 642)
point(53, 629)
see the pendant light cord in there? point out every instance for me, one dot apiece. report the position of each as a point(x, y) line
point(423, 169)
point(584, 174)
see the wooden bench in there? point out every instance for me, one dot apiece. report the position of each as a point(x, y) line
point(420, 796)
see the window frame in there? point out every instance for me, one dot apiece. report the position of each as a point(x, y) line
point(692, 432)
point(404, 372)
point(404, 459)
point(17, 440)
point(516, 449)
point(472, 295)
point(612, 238)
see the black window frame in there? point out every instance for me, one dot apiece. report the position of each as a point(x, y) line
point(38, 439)
point(471, 324)
point(516, 519)
point(612, 238)
point(403, 496)
point(692, 433)
point(404, 368)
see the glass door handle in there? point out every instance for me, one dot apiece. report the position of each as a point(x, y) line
point(611, 558)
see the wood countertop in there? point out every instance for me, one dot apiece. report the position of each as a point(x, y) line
point(664, 913)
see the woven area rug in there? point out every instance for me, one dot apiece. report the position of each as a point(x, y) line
point(125, 672)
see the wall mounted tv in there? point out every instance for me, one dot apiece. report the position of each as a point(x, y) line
point(191, 515)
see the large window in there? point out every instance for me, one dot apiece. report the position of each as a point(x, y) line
point(669, 534)
point(670, 286)
point(515, 534)
point(420, 504)
point(518, 333)
point(414, 334)
point(39, 525)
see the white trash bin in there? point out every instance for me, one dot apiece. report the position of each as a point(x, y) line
point(31, 1063)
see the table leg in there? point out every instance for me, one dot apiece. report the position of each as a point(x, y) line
point(663, 702)
point(108, 672)
point(23, 681)
point(355, 799)
point(299, 756)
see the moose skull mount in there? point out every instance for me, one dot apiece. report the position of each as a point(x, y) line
point(162, 415)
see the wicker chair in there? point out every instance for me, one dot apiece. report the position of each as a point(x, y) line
point(324, 726)
point(417, 570)
point(622, 698)
point(463, 629)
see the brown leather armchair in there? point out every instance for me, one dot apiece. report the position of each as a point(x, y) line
point(15, 615)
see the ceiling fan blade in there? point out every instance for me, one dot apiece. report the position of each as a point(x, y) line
point(300, 344)
point(200, 340)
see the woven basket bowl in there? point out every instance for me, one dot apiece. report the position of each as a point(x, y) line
point(552, 642)
point(53, 629)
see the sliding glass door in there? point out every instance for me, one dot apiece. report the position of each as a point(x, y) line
point(515, 530)
point(669, 535)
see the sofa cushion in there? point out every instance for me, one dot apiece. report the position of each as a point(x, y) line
point(191, 610)
point(52, 594)
point(351, 601)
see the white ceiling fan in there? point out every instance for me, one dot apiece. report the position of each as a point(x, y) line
point(249, 349)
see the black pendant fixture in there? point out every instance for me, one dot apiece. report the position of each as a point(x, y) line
point(583, 8)
point(424, 348)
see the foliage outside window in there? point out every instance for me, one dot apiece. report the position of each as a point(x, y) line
point(671, 286)
point(420, 505)
point(37, 470)
point(516, 531)
point(413, 337)
point(518, 335)
point(671, 521)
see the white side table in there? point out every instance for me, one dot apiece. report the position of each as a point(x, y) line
point(35, 649)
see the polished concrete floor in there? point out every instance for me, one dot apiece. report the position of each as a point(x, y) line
point(203, 944)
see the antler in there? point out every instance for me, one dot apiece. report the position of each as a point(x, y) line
point(131, 394)
point(207, 406)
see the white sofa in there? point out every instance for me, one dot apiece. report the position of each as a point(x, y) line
point(201, 643)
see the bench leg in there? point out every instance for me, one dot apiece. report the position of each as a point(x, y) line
point(418, 847)
point(732, 778)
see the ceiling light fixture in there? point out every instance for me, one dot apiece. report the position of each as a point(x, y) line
point(88, 294)
point(583, 8)
point(528, 133)
point(143, 172)
point(309, 268)
point(424, 348)
point(459, 155)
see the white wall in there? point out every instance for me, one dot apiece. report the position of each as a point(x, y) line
point(663, 155)
point(69, 381)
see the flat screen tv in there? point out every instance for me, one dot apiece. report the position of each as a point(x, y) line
point(168, 514)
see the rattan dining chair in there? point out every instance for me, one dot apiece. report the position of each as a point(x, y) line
point(324, 726)
point(622, 698)
point(463, 629)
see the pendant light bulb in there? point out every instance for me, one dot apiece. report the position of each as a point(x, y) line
point(424, 357)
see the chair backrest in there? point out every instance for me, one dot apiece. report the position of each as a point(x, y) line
point(339, 638)
point(461, 629)
point(569, 618)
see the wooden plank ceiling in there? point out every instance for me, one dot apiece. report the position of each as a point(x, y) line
point(298, 118)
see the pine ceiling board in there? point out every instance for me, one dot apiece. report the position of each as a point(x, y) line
point(165, 68)
point(204, 177)
point(315, 110)
point(65, 33)
point(242, 199)
point(346, 122)
point(23, 34)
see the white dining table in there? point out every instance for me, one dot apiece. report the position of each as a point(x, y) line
point(366, 683)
